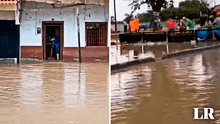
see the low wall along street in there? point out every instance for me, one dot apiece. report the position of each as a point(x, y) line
point(165, 56)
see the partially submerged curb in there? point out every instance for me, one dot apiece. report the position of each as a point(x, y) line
point(30, 60)
point(166, 56)
point(131, 63)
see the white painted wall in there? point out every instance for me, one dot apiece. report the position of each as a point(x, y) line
point(31, 19)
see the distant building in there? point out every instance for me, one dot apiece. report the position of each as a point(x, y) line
point(120, 26)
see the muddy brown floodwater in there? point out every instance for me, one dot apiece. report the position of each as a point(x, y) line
point(54, 93)
point(129, 52)
point(165, 92)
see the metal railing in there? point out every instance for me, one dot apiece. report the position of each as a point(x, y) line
point(175, 36)
point(185, 36)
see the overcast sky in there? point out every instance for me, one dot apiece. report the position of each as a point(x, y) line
point(122, 7)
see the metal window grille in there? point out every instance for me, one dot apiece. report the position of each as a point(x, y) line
point(96, 34)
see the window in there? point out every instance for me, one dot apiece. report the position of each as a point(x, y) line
point(96, 34)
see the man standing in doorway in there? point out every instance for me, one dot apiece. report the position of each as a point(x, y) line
point(56, 44)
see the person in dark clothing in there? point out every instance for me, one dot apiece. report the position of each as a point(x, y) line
point(125, 24)
point(56, 44)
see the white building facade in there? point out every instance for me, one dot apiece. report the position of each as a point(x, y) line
point(39, 20)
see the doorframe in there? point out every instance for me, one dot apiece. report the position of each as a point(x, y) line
point(57, 23)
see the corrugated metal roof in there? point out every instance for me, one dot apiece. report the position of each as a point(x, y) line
point(8, 2)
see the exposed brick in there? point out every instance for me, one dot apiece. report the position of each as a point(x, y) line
point(89, 54)
point(32, 52)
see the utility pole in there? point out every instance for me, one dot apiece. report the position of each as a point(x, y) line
point(115, 16)
point(77, 12)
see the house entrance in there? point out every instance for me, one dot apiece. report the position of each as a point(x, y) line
point(53, 40)
point(9, 39)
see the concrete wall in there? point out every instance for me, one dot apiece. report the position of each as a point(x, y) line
point(120, 27)
point(55, 1)
point(8, 7)
point(32, 18)
point(7, 12)
point(7, 15)
point(73, 1)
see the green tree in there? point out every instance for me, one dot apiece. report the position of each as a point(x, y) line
point(189, 9)
point(155, 4)
point(144, 17)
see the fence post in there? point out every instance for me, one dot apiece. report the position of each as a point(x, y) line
point(168, 36)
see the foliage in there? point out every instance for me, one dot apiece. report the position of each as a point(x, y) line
point(128, 18)
point(155, 4)
point(192, 5)
point(189, 9)
point(144, 17)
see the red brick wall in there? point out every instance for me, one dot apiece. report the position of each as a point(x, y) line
point(89, 54)
point(32, 52)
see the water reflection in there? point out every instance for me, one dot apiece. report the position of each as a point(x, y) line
point(53, 92)
point(129, 52)
point(165, 92)
point(31, 85)
point(74, 86)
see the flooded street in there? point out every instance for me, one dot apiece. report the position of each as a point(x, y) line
point(165, 92)
point(129, 52)
point(54, 93)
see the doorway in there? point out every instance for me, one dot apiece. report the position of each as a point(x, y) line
point(52, 30)
point(9, 39)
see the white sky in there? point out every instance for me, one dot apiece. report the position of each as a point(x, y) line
point(122, 7)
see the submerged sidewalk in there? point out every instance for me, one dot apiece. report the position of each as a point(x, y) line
point(127, 55)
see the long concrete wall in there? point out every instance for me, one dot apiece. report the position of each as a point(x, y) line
point(32, 18)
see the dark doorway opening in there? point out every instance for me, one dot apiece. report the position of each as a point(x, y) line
point(50, 30)
point(9, 39)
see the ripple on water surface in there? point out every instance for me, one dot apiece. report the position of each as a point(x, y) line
point(166, 92)
point(54, 92)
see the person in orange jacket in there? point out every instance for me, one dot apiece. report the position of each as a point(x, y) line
point(137, 24)
point(132, 26)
